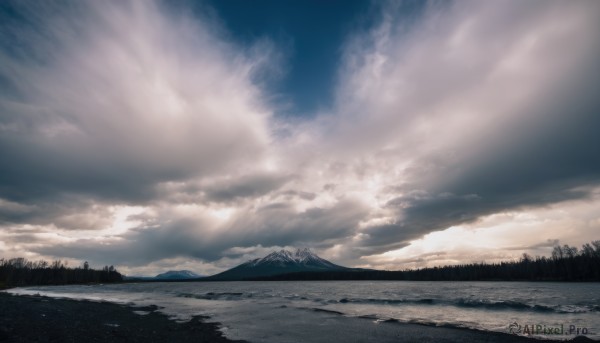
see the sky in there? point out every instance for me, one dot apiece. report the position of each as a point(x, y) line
point(157, 135)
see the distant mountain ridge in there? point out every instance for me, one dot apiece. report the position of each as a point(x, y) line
point(177, 275)
point(166, 276)
point(279, 262)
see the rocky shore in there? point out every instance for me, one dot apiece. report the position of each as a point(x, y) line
point(42, 319)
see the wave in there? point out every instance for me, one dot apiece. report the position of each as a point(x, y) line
point(214, 296)
point(502, 305)
point(479, 303)
point(316, 309)
point(385, 319)
point(578, 308)
point(387, 301)
point(485, 304)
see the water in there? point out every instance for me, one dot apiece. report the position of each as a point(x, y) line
point(282, 311)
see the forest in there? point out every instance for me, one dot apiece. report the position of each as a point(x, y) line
point(17, 272)
point(566, 264)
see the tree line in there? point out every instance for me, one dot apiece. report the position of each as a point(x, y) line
point(17, 272)
point(566, 264)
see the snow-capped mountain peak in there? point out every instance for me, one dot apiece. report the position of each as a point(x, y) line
point(283, 257)
point(278, 256)
point(305, 255)
point(279, 262)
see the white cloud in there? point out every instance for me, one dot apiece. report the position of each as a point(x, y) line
point(142, 139)
point(131, 94)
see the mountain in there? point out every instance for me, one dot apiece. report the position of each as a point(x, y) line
point(279, 262)
point(177, 275)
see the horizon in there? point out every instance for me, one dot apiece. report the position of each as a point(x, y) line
point(297, 250)
point(196, 136)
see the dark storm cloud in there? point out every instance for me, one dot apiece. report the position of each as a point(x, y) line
point(68, 213)
point(176, 237)
point(284, 225)
point(539, 146)
point(179, 237)
point(550, 160)
point(421, 216)
point(300, 194)
point(246, 186)
point(108, 100)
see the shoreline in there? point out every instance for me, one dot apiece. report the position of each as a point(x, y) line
point(25, 318)
point(34, 318)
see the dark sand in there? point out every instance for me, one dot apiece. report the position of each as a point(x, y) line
point(42, 319)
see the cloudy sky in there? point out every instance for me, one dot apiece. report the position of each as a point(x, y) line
point(197, 135)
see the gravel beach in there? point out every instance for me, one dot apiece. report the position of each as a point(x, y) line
point(43, 319)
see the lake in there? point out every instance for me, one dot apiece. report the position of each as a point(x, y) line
point(294, 311)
